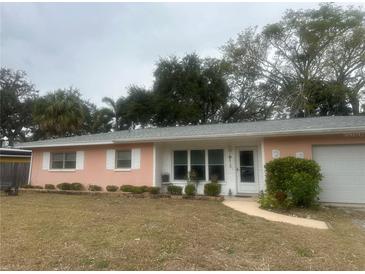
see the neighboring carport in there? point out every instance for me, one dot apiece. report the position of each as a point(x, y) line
point(14, 167)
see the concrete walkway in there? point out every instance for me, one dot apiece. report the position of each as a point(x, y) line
point(251, 207)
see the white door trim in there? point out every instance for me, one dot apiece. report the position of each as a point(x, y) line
point(249, 188)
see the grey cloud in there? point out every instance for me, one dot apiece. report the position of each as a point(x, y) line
point(102, 48)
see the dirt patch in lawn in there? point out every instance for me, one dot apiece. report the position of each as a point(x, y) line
point(57, 232)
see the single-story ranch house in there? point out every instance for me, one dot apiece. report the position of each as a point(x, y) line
point(235, 153)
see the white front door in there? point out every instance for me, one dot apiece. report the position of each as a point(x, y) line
point(247, 178)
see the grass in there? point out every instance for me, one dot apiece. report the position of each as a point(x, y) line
point(62, 232)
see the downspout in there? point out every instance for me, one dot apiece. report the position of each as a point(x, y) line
point(154, 165)
point(263, 186)
point(30, 168)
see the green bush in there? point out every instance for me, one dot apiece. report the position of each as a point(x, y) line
point(134, 189)
point(304, 189)
point(174, 190)
point(138, 190)
point(212, 189)
point(293, 181)
point(127, 188)
point(77, 186)
point(49, 186)
point(95, 188)
point(280, 171)
point(190, 190)
point(145, 188)
point(267, 200)
point(111, 188)
point(64, 186)
point(154, 190)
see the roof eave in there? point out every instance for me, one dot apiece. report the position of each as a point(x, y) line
point(210, 136)
point(250, 134)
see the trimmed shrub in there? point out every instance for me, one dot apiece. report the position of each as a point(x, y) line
point(127, 188)
point(174, 190)
point(64, 186)
point(145, 188)
point(212, 189)
point(154, 190)
point(77, 186)
point(95, 188)
point(293, 181)
point(138, 190)
point(190, 190)
point(304, 189)
point(49, 186)
point(134, 189)
point(112, 188)
point(279, 172)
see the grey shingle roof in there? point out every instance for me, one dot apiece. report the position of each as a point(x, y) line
point(261, 128)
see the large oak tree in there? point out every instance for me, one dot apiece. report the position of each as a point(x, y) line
point(17, 95)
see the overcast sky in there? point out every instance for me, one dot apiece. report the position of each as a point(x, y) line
point(103, 48)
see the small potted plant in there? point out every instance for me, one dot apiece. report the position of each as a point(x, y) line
point(165, 178)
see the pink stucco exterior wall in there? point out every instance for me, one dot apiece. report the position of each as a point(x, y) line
point(95, 171)
point(288, 146)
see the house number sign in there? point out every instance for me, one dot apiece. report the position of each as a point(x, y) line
point(275, 153)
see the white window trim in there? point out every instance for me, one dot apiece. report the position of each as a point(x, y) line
point(63, 170)
point(224, 182)
point(122, 169)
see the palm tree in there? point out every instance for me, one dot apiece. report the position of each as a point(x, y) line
point(60, 113)
point(115, 107)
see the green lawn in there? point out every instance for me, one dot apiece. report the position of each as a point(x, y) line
point(69, 232)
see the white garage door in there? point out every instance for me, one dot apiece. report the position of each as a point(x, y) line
point(343, 168)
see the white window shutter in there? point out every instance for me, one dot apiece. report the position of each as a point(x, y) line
point(136, 158)
point(80, 160)
point(110, 158)
point(46, 160)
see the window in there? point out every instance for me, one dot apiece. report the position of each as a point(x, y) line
point(216, 163)
point(180, 164)
point(197, 163)
point(123, 159)
point(63, 160)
